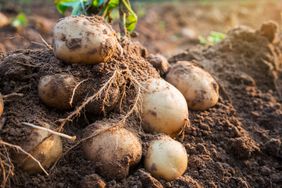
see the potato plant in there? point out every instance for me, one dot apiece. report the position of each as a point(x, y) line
point(128, 18)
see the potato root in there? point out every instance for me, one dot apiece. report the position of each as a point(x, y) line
point(199, 88)
point(166, 158)
point(86, 40)
point(44, 147)
point(113, 151)
point(164, 108)
point(56, 90)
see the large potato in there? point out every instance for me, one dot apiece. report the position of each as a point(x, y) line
point(81, 39)
point(41, 145)
point(164, 109)
point(113, 151)
point(56, 90)
point(166, 158)
point(198, 86)
point(1, 105)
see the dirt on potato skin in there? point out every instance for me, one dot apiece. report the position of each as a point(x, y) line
point(237, 143)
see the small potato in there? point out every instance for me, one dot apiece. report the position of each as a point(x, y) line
point(113, 151)
point(3, 20)
point(46, 153)
point(1, 105)
point(198, 86)
point(44, 147)
point(164, 108)
point(166, 158)
point(159, 62)
point(56, 90)
point(86, 40)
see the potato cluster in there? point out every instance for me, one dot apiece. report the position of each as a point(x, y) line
point(112, 147)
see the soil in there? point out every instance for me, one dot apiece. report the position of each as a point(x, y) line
point(237, 143)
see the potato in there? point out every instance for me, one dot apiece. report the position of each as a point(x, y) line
point(56, 90)
point(164, 109)
point(81, 39)
point(1, 105)
point(166, 158)
point(198, 86)
point(159, 62)
point(113, 151)
point(3, 20)
point(44, 147)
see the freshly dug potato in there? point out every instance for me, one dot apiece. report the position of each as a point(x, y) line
point(159, 62)
point(3, 20)
point(81, 39)
point(56, 90)
point(166, 158)
point(1, 105)
point(113, 151)
point(198, 86)
point(44, 147)
point(164, 109)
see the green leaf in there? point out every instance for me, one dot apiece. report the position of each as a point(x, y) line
point(113, 4)
point(131, 17)
point(20, 20)
point(77, 6)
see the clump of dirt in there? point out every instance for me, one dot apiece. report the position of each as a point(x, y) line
point(237, 143)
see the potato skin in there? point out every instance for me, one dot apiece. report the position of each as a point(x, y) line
point(166, 158)
point(1, 105)
point(56, 90)
point(164, 108)
point(113, 151)
point(47, 152)
point(3, 20)
point(44, 147)
point(86, 40)
point(200, 89)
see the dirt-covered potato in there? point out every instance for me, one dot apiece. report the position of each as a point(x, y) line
point(1, 105)
point(159, 62)
point(56, 90)
point(113, 151)
point(166, 158)
point(198, 86)
point(164, 108)
point(81, 39)
point(3, 20)
point(44, 147)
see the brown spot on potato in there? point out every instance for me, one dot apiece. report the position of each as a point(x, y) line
point(63, 37)
point(215, 86)
point(105, 31)
point(92, 51)
point(153, 113)
point(73, 43)
point(154, 167)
